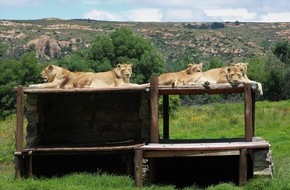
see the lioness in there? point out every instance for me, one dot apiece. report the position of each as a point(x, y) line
point(119, 76)
point(177, 78)
point(56, 77)
point(244, 67)
point(231, 74)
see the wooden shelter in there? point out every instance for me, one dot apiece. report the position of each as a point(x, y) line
point(166, 148)
point(76, 130)
point(116, 129)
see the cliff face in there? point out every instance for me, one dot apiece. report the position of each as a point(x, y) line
point(54, 38)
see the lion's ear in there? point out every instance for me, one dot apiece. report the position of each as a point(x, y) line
point(119, 65)
point(190, 65)
point(242, 70)
point(201, 64)
point(131, 65)
point(228, 69)
point(50, 67)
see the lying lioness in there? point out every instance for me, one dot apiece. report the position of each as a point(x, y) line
point(179, 78)
point(231, 74)
point(119, 76)
point(57, 77)
point(244, 67)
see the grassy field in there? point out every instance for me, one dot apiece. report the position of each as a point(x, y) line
point(210, 121)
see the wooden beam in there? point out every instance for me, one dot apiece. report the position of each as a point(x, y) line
point(138, 169)
point(249, 120)
point(165, 117)
point(200, 89)
point(243, 167)
point(19, 122)
point(154, 109)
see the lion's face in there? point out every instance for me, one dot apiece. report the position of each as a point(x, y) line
point(124, 71)
point(192, 68)
point(48, 74)
point(234, 75)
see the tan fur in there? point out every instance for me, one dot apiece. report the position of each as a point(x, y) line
point(244, 67)
point(119, 76)
point(177, 78)
point(56, 77)
point(231, 74)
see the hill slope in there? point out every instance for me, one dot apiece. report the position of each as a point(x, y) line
point(52, 38)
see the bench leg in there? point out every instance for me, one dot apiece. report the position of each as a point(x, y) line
point(243, 167)
point(30, 173)
point(19, 166)
point(138, 162)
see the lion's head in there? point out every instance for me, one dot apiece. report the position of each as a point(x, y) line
point(234, 75)
point(124, 71)
point(50, 73)
point(192, 68)
point(242, 66)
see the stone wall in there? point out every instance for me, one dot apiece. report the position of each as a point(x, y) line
point(87, 119)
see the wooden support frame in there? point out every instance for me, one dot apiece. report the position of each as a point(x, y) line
point(159, 150)
point(249, 112)
point(18, 159)
point(166, 117)
point(154, 110)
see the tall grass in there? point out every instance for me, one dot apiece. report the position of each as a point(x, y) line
point(209, 121)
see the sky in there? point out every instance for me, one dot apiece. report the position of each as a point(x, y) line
point(149, 10)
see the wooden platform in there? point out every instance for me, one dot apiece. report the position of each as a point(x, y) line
point(24, 158)
point(158, 150)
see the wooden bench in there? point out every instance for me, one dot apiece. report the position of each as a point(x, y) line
point(24, 158)
point(157, 150)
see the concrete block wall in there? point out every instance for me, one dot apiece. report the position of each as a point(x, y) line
point(87, 119)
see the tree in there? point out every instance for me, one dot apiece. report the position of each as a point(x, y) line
point(10, 76)
point(282, 51)
point(122, 46)
point(1, 49)
point(30, 68)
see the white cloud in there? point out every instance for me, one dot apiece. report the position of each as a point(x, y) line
point(186, 15)
point(144, 15)
point(276, 17)
point(232, 14)
point(103, 15)
point(20, 3)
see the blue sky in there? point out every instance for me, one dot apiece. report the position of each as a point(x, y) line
point(149, 10)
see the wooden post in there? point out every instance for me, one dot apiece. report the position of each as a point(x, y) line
point(165, 117)
point(154, 109)
point(253, 111)
point(138, 162)
point(19, 124)
point(248, 112)
point(18, 159)
point(243, 167)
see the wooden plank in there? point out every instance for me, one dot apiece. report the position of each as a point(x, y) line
point(248, 113)
point(19, 122)
point(138, 162)
point(82, 149)
point(243, 167)
point(200, 89)
point(143, 87)
point(187, 153)
point(165, 117)
point(206, 146)
point(154, 109)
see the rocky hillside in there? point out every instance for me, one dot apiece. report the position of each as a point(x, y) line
point(54, 38)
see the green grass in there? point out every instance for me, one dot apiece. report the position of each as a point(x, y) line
point(210, 121)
